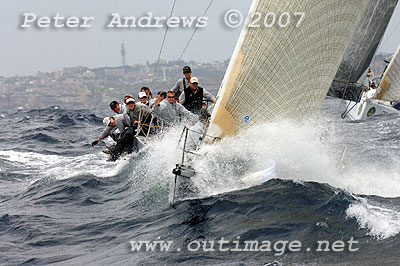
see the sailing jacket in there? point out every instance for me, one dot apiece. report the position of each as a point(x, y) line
point(122, 108)
point(193, 101)
point(139, 113)
point(120, 122)
point(180, 86)
point(171, 113)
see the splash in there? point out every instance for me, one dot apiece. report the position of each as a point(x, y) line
point(60, 167)
point(380, 221)
point(306, 152)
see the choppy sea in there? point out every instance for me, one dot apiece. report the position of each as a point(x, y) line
point(336, 181)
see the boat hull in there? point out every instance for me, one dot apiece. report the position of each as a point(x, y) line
point(366, 109)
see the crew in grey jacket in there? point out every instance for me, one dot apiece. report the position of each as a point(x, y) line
point(126, 140)
point(170, 111)
point(182, 83)
point(139, 115)
point(112, 123)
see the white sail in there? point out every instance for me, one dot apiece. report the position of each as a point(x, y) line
point(285, 72)
point(390, 84)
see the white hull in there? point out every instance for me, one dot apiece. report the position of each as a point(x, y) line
point(369, 108)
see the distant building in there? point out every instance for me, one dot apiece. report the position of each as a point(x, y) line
point(164, 75)
point(114, 72)
point(42, 75)
point(88, 74)
point(75, 70)
point(58, 74)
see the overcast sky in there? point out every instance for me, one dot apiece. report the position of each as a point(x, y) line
point(25, 51)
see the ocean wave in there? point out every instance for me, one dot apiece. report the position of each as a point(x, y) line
point(381, 221)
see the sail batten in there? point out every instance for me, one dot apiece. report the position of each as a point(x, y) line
point(286, 73)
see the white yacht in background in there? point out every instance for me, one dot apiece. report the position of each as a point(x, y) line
point(383, 100)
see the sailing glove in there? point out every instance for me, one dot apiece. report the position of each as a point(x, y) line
point(94, 143)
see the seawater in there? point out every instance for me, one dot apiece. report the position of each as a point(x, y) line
point(61, 203)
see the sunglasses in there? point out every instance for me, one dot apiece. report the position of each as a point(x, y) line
point(187, 72)
point(171, 97)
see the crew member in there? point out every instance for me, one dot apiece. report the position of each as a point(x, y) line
point(147, 91)
point(182, 83)
point(171, 111)
point(161, 94)
point(126, 140)
point(117, 107)
point(138, 115)
point(126, 97)
point(143, 99)
point(192, 97)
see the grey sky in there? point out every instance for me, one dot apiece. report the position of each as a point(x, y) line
point(26, 51)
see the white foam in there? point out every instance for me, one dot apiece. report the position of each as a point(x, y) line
point(308, 152)
point(60, 167)
point(380, 221)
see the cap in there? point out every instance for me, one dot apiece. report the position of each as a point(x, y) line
point(106, 121)
point(130, 100)
point(194, 80)
point(187, 69)
point(142, 94)
point(127, 96)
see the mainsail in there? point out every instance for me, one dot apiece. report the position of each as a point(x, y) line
point(362, 48)
point(390, 84)
point(285, 72)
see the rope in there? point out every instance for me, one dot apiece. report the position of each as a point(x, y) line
point(162, 45)
point(153, 126)
point(194, 32)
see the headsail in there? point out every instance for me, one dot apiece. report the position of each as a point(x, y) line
point(362, 48)
point(390, 84)
point(285, 72)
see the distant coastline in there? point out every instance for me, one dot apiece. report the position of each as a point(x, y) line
point(82, 87)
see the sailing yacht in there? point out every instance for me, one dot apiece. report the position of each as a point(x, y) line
point(362, 49)
point(383, 100)
point(279, 73)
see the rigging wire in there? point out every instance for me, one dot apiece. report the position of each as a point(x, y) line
point(162, 45)
point(194, 32)
point(165, 35)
